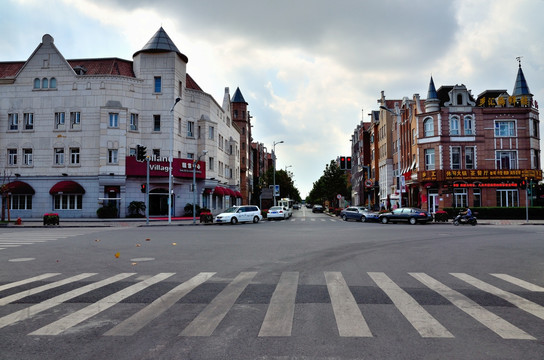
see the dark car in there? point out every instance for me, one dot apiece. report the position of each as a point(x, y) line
point(408, 214)
point(358, 213)
point(317, 208)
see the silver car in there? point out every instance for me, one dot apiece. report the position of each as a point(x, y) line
point(236, 214)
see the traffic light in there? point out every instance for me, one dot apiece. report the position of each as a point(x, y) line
point(523, 184)
point(342, 163)
point(143, 187)
point(141, 152)
point(348, 163)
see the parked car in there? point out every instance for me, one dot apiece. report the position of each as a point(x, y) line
point(358, 213)
point(296, 206)
point(317, 208)
point(408, 214)
point(277, 212)
point(236, 214)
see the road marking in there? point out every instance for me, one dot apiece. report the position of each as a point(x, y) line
point(137, 321)
point(206, 322)
point(22, 294)
point(514, 299)
point(26, 281)
point(495, 323)
point(21, 259)
point(79, 316)
point(312, 219)
point(278, 320)
point(426, 325)
point(521, 283)
point(349, 319)
point(28, 312)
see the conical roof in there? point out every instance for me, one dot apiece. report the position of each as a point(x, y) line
point(431, 94)
point(161, 42)
point(521, 87)
point(238, 97)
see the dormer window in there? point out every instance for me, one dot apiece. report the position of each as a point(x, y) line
point(80, 70)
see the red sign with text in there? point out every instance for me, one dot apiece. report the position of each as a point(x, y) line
point(182, 168)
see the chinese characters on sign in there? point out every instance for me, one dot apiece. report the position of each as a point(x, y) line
point(501, 101)
point(479, 175)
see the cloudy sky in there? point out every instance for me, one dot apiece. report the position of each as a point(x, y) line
point(310, 70)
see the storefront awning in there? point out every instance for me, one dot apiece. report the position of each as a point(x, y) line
point(220, 191)
point(67, 187)
point(238, 194)
point(20, 188)
point(207, 191)
point(230, 192)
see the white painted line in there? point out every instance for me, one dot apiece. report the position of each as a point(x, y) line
point(425, 324)
point(15, 297)
point(514, 299)
point(10, 246)
point(278, 320)
point(495, 323)
point(79, 316)
point(349, 319)
point(30, 311)
point(137, 321)
point(26, 281)
point(521, 283)
point(206, 322)
point(21, 259)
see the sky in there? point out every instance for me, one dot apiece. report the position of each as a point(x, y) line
point(311, 70)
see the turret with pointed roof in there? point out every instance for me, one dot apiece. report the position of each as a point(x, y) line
point(520, 87)
point(432, 103)
point(161, 42)
point(238, 97)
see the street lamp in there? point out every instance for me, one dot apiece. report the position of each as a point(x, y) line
point(195, 161)
point(397, 114)
point(170, 163)
point(274, 152)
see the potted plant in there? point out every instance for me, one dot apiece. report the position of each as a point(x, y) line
point(206, 216)
point(51, 219)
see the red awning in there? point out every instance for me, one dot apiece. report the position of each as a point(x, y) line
point(219, 191)
point(67, 187)
point(238, 194)
point(20, 188)
point(230, 192)
point(207, 191)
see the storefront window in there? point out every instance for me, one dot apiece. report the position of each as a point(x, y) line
point(507, 198)
point(477, 197)
point(460, 198)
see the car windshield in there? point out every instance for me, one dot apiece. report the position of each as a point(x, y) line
point(231, 210)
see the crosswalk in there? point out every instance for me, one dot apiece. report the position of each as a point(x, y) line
point(278, 316)
point(28, 237)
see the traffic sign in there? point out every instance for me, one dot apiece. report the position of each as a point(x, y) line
point(368, 183)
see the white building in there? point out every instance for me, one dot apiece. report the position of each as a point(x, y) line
point(69, 130)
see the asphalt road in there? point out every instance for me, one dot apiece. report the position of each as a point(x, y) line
point(312, 287)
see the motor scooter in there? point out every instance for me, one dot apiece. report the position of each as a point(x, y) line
point(460, 219)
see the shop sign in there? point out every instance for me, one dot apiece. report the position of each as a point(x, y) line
point(486, 185)
point(492, 174)
point(503, 101)
point(159, 167)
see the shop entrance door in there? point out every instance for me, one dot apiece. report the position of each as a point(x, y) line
point(433, 201)
point(158, 202)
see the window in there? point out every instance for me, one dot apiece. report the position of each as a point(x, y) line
point(211, 134)
point(429, 159)
point(190, 155)
point(59, 156)
point(27, 157)
point(53, 83)
point(20, 202)
point(190, 128)
point(469, 157)
point(13, 120)
point(133, 122)
point(469, 125)
point(158, 85)
point(37, 83)
point(456, 157)
point(534, 130)
point(477, 197)
point(114, 120)
point(74, 156)
point(505, 128)
point(506, 160)
point(59, 120)
point(157, 153)
point(156, 123)
point(45, 83)
point(112, 156)
point(67, 202)
point(220, 143)
point(210, 162)
point(454, 125)
point(12, 157)
point(28, 120)
point(179, 126)
point(534, 159)
point(75, 119)
point(428, 127)
point(460, 198)
point(507, 198)
point(180, 89)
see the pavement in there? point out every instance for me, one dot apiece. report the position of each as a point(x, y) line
point(188, 221)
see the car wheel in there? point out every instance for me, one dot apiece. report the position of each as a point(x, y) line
point(413, 221)
point(233, 220)
point(363, 218)
point(255, 219)
point(384, 220)
point(344, 218)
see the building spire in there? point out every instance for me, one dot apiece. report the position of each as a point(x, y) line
point(520, 87)
point(432, 103)
point(431, 94)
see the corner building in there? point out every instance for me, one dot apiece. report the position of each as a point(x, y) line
point(69, 130)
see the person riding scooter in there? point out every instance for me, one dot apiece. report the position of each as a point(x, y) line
point(467, 214)
point(465, 217)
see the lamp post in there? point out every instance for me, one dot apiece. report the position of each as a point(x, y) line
point(397, 114)
point(195, 162)
point(274, 152)
point(170, 163)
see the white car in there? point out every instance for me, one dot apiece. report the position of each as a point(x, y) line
point(277, 212)
point(236, 214)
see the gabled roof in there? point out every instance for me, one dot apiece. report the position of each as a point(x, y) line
point(190, 83)
point(161, 42)
point(238, 97)
point(521, 87)
point(10, 69)
point(106, 66)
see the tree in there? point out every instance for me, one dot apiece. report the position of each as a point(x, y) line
point(285, 181)
point(329, 185)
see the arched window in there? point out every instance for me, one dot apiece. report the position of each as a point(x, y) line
point(37, 83)
point(469, 125)
point(45, 83)
point(53, 83)
point(454, 125)
point(428, 127)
